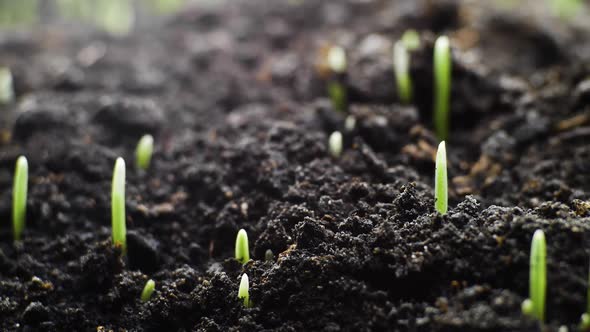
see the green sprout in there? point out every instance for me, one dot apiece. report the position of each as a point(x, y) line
point(534, 306)
point(148, 290)
point(143, 152)
point(337, 64)
point(19, 196)
point(269, 256)
point(566, 9)
point(244, 291)
point(442, 86)
point(242, 248)
point(350, 123)
point(441, 199)
point(401, 69)
point(585, 319)
point(6, 86)
point(118, 205)
point(335, 144)
point(411, 40)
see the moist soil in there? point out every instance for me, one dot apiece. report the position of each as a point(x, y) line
point(235, 96)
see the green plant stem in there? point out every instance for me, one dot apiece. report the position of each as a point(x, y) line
point(119, 228)
point(538, 274)
point(442, 86)
point(144, 151)
point(401, 64)
point(242, 247)
point(440, 180)
point(148, 290)
point(19, 197)
point(244, 290)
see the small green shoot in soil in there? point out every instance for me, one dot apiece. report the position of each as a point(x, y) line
point(143, 152)
point(442, 86)
point(244, 291)
point(411, 40)
point(585, 319)
point(19, 197)
point(534, 306)
point(401, 69)
point(118, 205)
point(148, 290)
point(6, 86)
point(269, 256)
point(242, 248)
point(335, 144)
point(350, 123)
point(566, 9)
point(441, 199)
point(337, 64)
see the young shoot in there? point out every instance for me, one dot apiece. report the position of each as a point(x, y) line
point(350, 123)
point(143, 152)
point(337, 63)
point(401, 69)
point(585, 319)
point(242, 248)
point(534, 306)
point(442, 86)
point(119, 228)
point(269, 256)
point(441, 199)
point(411, 40)
point(19, 197)
point(244, 291)
point(337, 60)
point(148, 290)
point(335, 144)
point(6, 86)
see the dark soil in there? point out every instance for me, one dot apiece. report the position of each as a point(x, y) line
point(235, 97)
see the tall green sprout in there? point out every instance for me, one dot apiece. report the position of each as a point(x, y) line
point(242, 247)
point(441, 199)
point(19, 196)
point(442, 86)
point(244, 291)
point(143, 152)
point(119, 228)
point(401, 68)
point(6, 86)
point(337, 63)
point(534, 306)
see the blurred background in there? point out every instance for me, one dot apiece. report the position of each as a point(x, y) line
point(118, 17)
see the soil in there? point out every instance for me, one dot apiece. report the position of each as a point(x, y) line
point(235, 96)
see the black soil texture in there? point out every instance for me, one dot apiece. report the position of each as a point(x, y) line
point(235, 97)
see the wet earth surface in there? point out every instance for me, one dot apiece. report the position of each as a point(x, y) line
point(235, 97)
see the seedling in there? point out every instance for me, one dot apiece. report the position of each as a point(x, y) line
point(411, 40)
point(441, 199)
point(585, 319)
point(337, 59)
point(242, 248)
point(143, 152)
point(335, 144)
point(350, 123)
point(442, 86)
point(6, 86)
point(401, 69)
point(118, 205)
point(269, 256)
point(148, 290)
point(19, 196)
point(244, 291)
point(534, 306)
point(336, 90)
point(566, 9)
